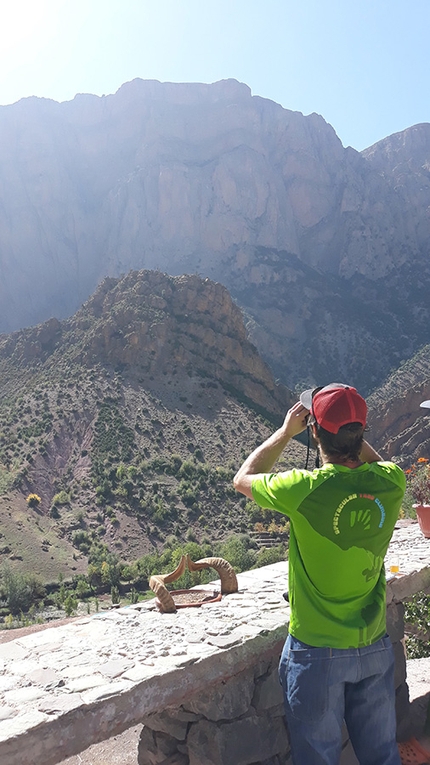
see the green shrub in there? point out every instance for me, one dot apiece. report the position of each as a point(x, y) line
point(82, 540)
point(417, 613)
point(134, 596)
point(62, 498)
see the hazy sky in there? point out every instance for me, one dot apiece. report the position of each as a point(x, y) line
point(363, 65)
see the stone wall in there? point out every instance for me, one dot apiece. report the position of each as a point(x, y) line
point(238, 721)
point(202, 681)
point(241, 720)
point(396, 631)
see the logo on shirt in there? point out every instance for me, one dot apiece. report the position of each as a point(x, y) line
point(360, 516)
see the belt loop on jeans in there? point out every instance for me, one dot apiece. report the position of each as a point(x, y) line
point(331, 653)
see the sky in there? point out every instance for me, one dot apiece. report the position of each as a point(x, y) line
point(364, 65)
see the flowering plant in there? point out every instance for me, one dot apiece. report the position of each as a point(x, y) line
point(33, 500)
point(418, 481)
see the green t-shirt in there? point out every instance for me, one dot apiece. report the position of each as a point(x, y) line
point(341, 522)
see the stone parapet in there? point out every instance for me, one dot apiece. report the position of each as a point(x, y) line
point(199, 679)
point(65, 688)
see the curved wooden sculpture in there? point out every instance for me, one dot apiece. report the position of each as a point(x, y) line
point(223, 568)
point(158, 582)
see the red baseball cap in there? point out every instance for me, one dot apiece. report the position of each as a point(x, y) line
point(335, 405)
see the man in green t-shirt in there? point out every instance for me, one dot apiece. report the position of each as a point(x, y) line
point(337, 662)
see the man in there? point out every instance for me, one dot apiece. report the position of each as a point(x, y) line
point(337, 662)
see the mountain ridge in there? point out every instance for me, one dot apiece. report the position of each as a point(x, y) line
point(209, 179)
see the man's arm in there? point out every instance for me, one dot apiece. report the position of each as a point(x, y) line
point(368, 454)
point(264, 457)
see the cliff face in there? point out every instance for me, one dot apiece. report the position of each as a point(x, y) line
point(208, 179)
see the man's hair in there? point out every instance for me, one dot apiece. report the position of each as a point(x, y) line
point(345, 445)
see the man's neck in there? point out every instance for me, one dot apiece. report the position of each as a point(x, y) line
point(327, 458)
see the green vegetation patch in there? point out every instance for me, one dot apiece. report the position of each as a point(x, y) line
point(417, 614)
point(37, 428)
point(19, 590)
point(7, 478)
point(113, 439)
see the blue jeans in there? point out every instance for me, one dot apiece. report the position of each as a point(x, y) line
point(325, 686)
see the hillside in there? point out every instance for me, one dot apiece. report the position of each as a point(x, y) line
point(128, 421)
point(399, 427)
point(325, 248)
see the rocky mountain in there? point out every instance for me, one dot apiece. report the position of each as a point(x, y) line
point(324, 248)
point(160, 326)
point(128, 421)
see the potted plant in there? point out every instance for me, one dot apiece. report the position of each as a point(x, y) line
point(418, 481)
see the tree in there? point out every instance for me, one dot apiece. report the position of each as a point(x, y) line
point(82, 588)
point(20, 590)
point(269, 555)
point(236, 550)
point(114, 593)
point(70, 604)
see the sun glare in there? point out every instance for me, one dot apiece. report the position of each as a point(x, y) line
point(25, 29)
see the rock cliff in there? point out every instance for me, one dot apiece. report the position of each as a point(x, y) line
point(322, 246)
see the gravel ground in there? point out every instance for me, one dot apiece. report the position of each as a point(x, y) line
point(7, 635)
point(119, 750)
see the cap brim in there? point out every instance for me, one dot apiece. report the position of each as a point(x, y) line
point(425, 404)
point(306, 398)
point(307, 395)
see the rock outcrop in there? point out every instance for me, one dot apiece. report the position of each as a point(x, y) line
point(322, 246)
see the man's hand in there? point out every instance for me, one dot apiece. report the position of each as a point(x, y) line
point(264, 457)
point(295, 420)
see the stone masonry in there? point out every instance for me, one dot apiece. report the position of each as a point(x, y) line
point(203, 681)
